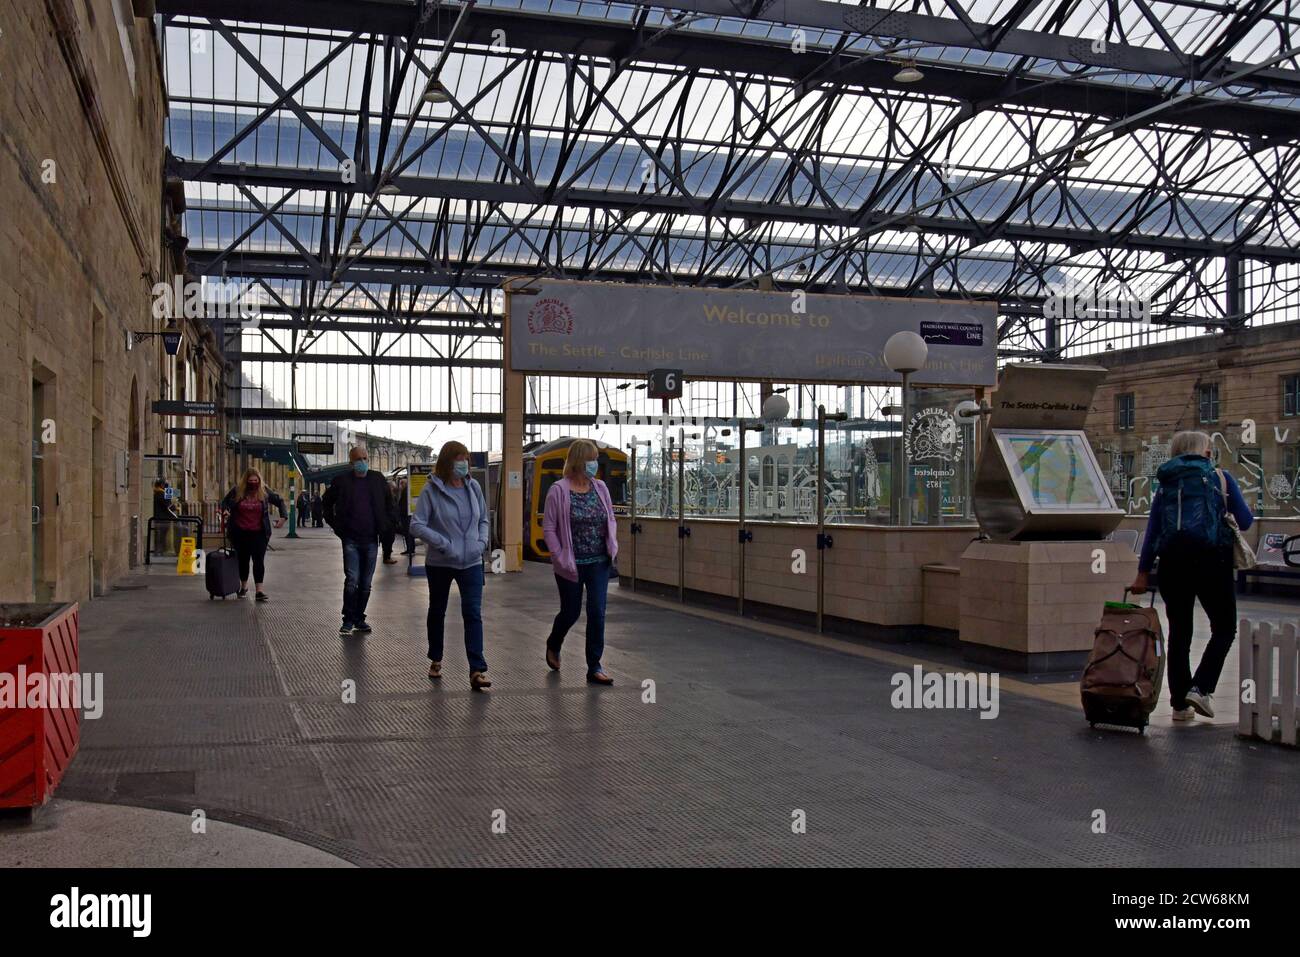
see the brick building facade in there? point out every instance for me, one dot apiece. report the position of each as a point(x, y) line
point(1241, 387)
point(87, 231)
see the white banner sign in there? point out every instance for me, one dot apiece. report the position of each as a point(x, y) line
point(613, 329)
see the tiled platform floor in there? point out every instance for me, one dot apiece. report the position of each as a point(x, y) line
point(237, 709)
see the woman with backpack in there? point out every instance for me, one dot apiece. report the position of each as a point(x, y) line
point(246, 511)
point(1188, 532)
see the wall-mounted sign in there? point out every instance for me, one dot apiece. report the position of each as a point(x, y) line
point(171, 342)
point(589, 328)
point(171, 431)
point(183, 407)
point(315, 447)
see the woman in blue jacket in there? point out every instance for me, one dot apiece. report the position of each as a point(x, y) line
point(451, 518)
point(1194, 546)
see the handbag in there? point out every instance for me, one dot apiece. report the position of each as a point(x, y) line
point(1243, 557)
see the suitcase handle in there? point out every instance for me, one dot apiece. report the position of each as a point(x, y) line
point(1150, 591)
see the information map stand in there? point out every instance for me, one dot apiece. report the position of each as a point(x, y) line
point(1032, 593)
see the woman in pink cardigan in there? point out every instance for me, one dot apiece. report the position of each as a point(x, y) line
point(582, 537)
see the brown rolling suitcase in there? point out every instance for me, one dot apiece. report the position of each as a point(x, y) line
point(1125, 672)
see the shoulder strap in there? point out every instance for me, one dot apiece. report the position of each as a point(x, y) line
point(1223, 484)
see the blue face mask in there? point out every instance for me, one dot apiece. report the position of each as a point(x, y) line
point(592, 468)
point(360, 466)
point(460, 468)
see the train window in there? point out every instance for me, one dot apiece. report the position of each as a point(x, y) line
point(557, 464)
point(547, 482)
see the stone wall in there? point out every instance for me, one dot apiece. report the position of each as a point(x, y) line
point(80, 248)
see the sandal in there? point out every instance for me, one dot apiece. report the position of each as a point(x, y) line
point(478, 680)
point(435, 670)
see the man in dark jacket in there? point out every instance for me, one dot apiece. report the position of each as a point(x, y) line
point(359, 508)
point(317, 511)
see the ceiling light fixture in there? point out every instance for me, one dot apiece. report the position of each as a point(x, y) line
point(909, 73)
point(1079, 160)
point(435, 92)
point(389, 189)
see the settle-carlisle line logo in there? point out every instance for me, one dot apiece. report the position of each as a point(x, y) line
point(550, 315)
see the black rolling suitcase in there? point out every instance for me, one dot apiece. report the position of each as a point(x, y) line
point(221, 570)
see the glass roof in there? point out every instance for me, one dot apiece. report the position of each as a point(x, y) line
point(826, 170)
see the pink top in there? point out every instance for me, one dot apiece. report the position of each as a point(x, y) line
point(558, 534)
point(248, 514)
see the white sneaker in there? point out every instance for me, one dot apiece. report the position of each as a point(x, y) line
point(1184, 714)
point(1200, 703)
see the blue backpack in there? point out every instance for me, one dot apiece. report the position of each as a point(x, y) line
point(1191, 505)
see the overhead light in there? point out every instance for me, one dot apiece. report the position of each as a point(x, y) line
point(355, 245)
point(801, 270)
point(625, 385)
point(1079, 160)
point(389, 189)
point(435, 92)
point(909, 73)
point(641, 386)
point(912, 226)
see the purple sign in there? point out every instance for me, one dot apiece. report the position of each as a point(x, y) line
point(953, 333)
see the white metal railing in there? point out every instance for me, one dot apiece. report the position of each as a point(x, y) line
point(1269, 655)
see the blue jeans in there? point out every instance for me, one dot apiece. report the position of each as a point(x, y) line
point(469, 582)
point(594, 578)
point(358, 569)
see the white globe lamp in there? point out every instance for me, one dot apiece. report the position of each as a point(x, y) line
point(906, 352)
point(775, 408)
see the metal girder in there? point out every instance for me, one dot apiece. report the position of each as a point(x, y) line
point(726, 52)
point(283, 266)
point(498, 192)
point(337, 415)
point(371, 360)
point(382, 327)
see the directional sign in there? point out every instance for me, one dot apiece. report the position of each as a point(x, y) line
point(315, 448)
point(184, 407)
point(665, 384)
point(193, 431)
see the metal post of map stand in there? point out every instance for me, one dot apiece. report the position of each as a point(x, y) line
point(824, 541)
point(634, 527)
point(743, 535)
point(683, 531)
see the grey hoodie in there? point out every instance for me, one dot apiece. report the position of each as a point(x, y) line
point(437, 523)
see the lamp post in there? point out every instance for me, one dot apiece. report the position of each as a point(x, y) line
point(905, 353)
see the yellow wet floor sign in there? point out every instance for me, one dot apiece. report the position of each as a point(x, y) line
point(186, 558)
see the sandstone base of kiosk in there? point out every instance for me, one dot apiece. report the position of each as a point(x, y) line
point(1033, 606)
